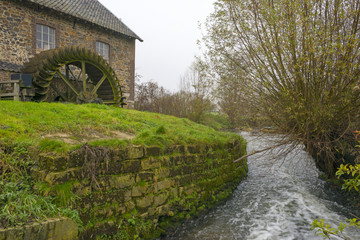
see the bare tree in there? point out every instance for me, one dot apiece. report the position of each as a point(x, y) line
point(196, 90)
point(300, 64)
point(193, 100)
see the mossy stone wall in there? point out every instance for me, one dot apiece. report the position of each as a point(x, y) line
point(141, 192)
point(54, 229)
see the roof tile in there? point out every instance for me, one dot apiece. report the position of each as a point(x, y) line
point(89, 10)
point(10, 66)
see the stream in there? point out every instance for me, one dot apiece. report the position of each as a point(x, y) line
point(279, 199)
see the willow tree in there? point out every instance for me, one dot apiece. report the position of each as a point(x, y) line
point(300, 64)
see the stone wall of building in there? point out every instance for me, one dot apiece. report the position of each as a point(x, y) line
point(4, 75)
point(5, 88)
point(142, 191)
point(18, 21)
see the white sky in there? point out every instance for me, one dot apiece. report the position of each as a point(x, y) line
point(169, 29)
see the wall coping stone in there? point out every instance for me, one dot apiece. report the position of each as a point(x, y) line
point(55, 229)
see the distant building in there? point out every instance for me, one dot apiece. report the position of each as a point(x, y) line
point(28, 27)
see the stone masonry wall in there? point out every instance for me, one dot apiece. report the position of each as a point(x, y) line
point(142, 191)
point(54, 229)
point(18, 42)
point(4, 75)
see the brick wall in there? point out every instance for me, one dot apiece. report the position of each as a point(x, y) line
point(17, 38)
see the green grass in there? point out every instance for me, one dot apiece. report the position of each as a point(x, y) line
point(52, 145)
point(29, 122)
point(216, 120)
point(20, 203)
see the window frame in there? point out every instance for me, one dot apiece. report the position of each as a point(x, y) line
point(47, 38)
point(101, 49)
point(36, 22)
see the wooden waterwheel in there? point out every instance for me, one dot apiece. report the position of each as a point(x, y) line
point(73, 74)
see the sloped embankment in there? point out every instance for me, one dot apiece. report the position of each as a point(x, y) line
point(126, 174)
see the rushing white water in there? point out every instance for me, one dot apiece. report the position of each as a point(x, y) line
point(279, 200)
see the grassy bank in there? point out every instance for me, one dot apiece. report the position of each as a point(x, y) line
point(56, 127)
point(69, 125)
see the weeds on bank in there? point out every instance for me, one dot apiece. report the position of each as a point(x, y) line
point(19, 202)
point(325, 230)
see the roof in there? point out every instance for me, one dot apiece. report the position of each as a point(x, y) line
point(89, 10)
point(10, 66)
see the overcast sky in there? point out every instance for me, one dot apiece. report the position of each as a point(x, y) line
point(169, 29)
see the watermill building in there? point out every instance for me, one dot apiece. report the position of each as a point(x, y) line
point(30, 27)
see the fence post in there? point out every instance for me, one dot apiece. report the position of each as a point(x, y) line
point(16, 91)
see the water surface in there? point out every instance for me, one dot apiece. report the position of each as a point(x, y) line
point(279, 199)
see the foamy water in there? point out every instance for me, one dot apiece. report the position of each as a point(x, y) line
point(280, 198)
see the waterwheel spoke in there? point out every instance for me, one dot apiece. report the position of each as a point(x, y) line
point(73, 75)
point(67, 71)
point(79, 75)
point(83, 73)
point(59, 93)
point(67, 82)
point(98, 84)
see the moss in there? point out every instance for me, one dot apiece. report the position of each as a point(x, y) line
point(133, 229)
point(131, 214)
point(142, 183)
point(331, 180)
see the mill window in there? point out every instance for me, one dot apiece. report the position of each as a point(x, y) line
point(103, 49)
point(45, 37)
